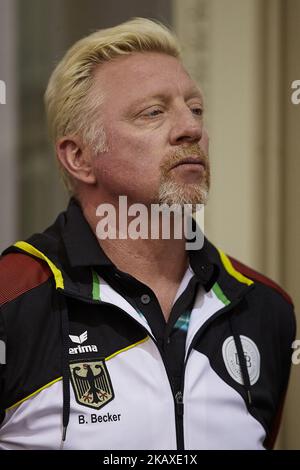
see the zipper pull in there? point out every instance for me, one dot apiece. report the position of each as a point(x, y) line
point(179, 403)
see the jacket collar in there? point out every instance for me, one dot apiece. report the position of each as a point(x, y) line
point(84, 250)
point(72, 251)
point(81, 244)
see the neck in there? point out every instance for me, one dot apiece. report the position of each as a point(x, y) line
point(151, 261)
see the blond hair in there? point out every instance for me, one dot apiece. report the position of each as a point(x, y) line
point(68, 107)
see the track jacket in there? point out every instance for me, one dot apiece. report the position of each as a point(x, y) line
point(87, 365)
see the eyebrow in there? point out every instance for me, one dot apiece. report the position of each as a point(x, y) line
point(192, 93)
point(195, 92)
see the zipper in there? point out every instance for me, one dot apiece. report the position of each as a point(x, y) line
point(179, 420)
point(177, 397)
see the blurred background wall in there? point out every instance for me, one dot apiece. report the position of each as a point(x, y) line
point(245, 55)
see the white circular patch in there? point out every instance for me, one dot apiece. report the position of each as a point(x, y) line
point(232, 363)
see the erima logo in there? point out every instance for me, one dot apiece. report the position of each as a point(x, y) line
point(81, 349)
point(79, 339)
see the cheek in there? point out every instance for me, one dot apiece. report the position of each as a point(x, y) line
point(133, 152)
point(131, 165)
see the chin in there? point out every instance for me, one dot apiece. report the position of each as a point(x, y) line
point(175, 193)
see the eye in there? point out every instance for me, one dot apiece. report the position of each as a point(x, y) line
point(152, 112)
point(197, 111)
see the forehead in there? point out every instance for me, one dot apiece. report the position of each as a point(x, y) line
point(140, 75)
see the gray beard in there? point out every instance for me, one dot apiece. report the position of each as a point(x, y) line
point(171, 192)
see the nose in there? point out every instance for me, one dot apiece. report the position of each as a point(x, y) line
point(186, 127)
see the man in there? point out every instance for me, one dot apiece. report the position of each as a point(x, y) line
point(126, 342)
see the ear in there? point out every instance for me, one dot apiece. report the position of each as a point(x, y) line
point(76, 158)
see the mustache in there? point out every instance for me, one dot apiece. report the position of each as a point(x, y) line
point(181, 153)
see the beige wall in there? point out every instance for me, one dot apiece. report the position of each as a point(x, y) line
point(245, 54)
point(291, 198)
point(8, 125)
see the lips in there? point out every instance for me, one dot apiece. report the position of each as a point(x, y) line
point(190, 160)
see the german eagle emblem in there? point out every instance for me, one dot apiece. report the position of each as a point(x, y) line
point(91, 383)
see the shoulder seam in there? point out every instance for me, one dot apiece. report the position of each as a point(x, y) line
point(25, 292)
point(20, 274)
point(230, 268)
point(260, 278)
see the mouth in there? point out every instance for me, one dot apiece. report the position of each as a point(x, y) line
point(190, 161)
